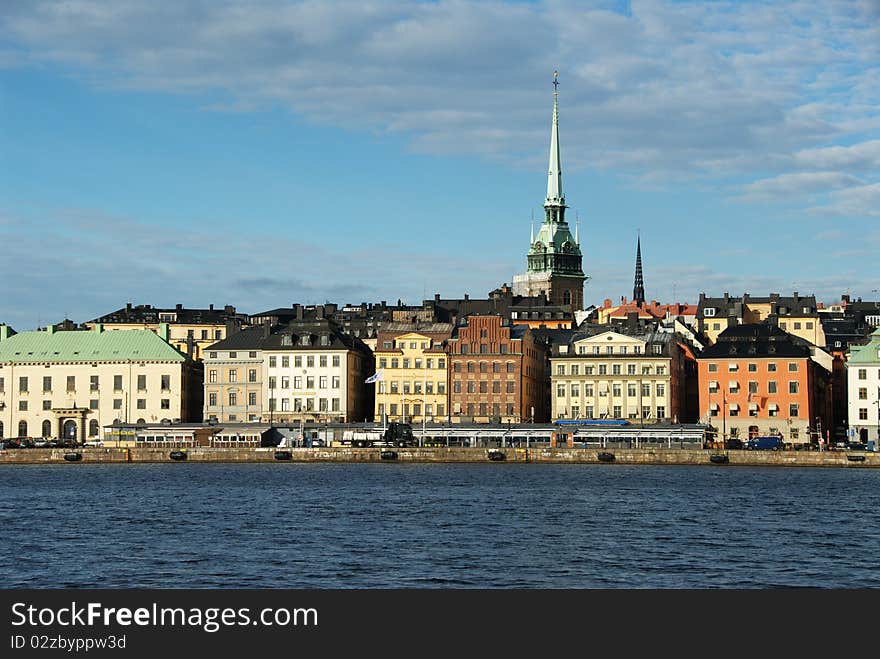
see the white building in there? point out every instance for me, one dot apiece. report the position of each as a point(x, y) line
point(863, 390)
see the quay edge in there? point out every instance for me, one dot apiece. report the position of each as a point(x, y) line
point(629, 456)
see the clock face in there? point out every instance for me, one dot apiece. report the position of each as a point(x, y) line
point(539, 245)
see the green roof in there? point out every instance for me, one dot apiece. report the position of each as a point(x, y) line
point(868, 353)
point(91, 346)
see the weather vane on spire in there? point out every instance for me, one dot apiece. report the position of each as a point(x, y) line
point(556, 83)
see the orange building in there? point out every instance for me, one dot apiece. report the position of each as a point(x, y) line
point(759, 380)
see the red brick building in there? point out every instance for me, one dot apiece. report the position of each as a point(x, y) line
point(497, 373)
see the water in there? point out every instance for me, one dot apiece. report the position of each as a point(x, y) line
point(437, 526)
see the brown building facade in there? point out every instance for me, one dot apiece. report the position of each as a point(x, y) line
point(497, 373)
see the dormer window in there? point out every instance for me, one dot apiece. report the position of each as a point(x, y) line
point(304, 340)
point(325, 340)
point(709, 312)
point(286, 340)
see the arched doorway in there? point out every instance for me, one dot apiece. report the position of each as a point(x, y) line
point(69, 429)
point(93, 428)
point(22, 429)
point(47, 428)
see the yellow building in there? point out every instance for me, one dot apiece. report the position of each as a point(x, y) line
point(413, 366)
point(796, 315)
point(190, 330)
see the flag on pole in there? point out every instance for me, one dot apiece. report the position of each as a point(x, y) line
point(375, 377)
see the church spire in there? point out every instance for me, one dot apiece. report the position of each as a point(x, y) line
point(639, 286)
point(555, 198)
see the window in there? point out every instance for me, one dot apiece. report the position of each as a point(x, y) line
point(603, 369)
point(322, 382)
point(395, 362)
point(273, 382)
point(713, 387)
point(771, 387)
point(335, 382)
point(273, 361)
point(456, 387)
point(117, 403)
point(753, 387)
point(793, 387)
point(588, 370)
point(616, 411)
point(793, 409)
point(560, 369)
point(142, 403)
point(310, 361)
point(588, 390)
point(631, 389)
point(212, 376)
point(252, 354)
point(863, 414)
point(863, 374)
point(646, 389)
point(713, 368)
point(560, 391)
point(771, 367)
point(22, 406)
point(233, 398)
point(47, 383)
point(252, 398)
point(575, 390)
point(792, 367)
point(233, 355)
point(863, 393)
point(233, 374)
point(394, 386)
point(285, 361)
point(212, 355)
point(406, 386)
point(23, 384)
point(484, 367)
point(441, 388)
point(252, 375)
point(117, 383)
point(142, 383)
point(609, 350)
point(93, 404)
point(470, 367)
point(575, 369)
point(622, 350)
point(511, 387)
point(615, 369)
point(165, 404)
point(658, 349)
point(511, 367)
point(708, 312)
point(310, 382)
point(616, 390)
point(335, 361)
point(470, 387)
point(630, 369)
point(166, 383)
point(285, 382)
point(732, 367)
point(441, 363)
point(661, 412)
point(661, 391)
point(322, 361)
point(734, 387)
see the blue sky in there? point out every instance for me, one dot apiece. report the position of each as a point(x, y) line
point(261, 154)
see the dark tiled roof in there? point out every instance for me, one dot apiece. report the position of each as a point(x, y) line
point(251, 338)
point(145, 313)
point(756, 340)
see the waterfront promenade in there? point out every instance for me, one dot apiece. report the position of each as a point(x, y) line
point(501, 456)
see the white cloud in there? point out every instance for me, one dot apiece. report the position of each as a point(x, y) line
point(799, 184)
point(671, 88)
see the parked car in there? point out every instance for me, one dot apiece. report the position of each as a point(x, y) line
point(93, 442)
point(733, 443)
point(41, 442)
point(856, 446)
point(766, 443)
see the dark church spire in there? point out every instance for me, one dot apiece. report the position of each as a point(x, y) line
point(639, 286)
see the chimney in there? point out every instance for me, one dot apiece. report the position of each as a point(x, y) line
point(50, 329)
point(163, 332)
point(267, 328)
point(98, 328)
point(299, 312)
point(319, 311)
point(128, 306)
point(211, 307)
point(229, 309)
point(179, 306)
point(467, 297)
point(436, 297)
point(845, 299)
point(231, 327)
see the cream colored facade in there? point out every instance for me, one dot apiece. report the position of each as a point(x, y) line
point(314, 385)
point(413, 387)
point(234, 386)
point(71, 396)
point(614, 376)
point(178, 335)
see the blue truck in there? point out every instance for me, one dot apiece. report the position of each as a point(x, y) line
point(765, 443)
